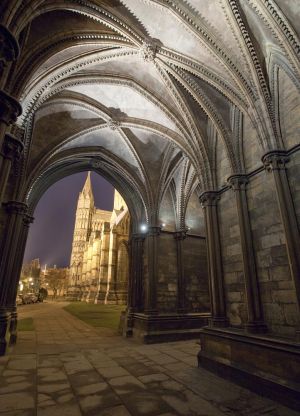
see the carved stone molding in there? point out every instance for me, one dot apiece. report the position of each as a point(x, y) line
point(113, 124)
point(148, 50)
point(27, 220)
point(10, 108)
point(9, 48)
point(238, 182)
point(209, 198)
point(275, 160)
point(180, 235)
point(153, 231)
point(16, 207)
point(12, 147)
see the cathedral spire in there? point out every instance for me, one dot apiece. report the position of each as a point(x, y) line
point(87, 187)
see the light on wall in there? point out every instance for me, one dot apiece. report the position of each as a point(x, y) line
point(144, 228)
point(163, 225)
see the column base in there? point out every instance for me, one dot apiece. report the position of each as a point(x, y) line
point(4, 332)
point(13, 328)
point(152, 328)
point(264, 364)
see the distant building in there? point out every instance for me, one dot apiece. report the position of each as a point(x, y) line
point(99, 260)
point(30, 276)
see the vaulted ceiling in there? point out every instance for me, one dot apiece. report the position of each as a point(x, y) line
point(168, 94)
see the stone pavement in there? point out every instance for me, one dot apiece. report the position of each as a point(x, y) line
point(66, 368)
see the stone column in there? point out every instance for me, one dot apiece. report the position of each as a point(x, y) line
point(255, 322)
point(181, 283)
point(9, 249)
point(15, 276)
point(209, 202)
point(103, 268)
point(11, 150)
point(151, 281)
point(9, 52)
point(275, 161)
point(112, 268)
point(135, 284)
point(10, 110)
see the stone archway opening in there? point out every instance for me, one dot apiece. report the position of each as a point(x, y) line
point(100, 232)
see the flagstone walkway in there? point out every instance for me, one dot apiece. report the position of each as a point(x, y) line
point(66, 368)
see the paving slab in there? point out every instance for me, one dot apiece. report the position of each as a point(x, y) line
point(71, 369)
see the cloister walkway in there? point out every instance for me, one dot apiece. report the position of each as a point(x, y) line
point(66, 368)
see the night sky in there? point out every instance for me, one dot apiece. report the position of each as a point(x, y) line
point(51, 234)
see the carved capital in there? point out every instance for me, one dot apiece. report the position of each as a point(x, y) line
point(238, 182)
point(9, 47)
point(275, 160)
point(27, 220)
point(137, 237)
point(154, 230)
point(180, 235)
point(10, 108)
point(148, 50)
point(209, 198)
point(16, 207)
point(12, 147)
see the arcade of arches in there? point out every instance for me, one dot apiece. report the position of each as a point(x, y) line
point(191, 109)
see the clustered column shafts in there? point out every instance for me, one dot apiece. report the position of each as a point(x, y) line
point(103, 269)
point(112, 268)
point(254, 307)
point(275, 162)
point(10, 108)
point(135, 286)
point(181, 283)
point(11, 151)
point(9, 252)
point(151, 281)
point(209, 201)
point(15, 274)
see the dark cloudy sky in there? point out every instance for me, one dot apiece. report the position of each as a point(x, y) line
point(50, 236)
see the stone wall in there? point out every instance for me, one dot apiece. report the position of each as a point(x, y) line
point(196, 274)
point(167, 273)
point(276, 286)
point(232, 260)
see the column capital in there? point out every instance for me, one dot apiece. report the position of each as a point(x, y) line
point(10, 108)
point(138, 237)
point(12, 147)
point(180, 235)
point(9, 47)
point(27, 220)
point(275, 160)
point(153, 230)
point(16, 207)
point(238, 181)
point(209, 198)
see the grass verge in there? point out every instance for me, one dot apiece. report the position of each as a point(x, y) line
point(105, 316)
point(25, 324)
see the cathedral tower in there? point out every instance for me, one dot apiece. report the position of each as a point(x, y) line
point(83, 227)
